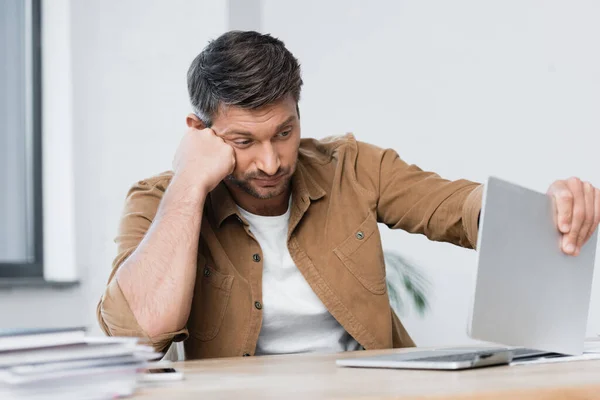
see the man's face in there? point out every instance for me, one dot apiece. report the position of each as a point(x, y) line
point(265, 142)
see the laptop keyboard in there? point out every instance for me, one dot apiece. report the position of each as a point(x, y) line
point(453, 357)
point(518, 354)
point(521, 354)
point(462, 355)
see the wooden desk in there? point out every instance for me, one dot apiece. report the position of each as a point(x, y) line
point(312, 376)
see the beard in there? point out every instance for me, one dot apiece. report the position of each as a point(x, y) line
point(264, 193)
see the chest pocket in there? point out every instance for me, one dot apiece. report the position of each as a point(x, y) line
point(362, 254)
point(209, 305)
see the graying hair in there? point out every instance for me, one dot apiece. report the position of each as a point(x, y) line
point(242, 69)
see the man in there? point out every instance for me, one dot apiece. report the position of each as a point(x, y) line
point(259, 242)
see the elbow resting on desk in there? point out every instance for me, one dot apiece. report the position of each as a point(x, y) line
point(116, 319)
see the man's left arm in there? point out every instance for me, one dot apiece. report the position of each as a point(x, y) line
point(418, 201)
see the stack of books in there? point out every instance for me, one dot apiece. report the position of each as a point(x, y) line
point(66, 364)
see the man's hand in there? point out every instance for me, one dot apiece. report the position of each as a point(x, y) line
point(203, 159)
point(577, 207)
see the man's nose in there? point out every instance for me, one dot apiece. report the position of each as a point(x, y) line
point(268, 161)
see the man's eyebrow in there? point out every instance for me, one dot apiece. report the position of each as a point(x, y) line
point(234, 132)
point(288, 121)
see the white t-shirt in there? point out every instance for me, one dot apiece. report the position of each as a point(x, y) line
point(294, 318)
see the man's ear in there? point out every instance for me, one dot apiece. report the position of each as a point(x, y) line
point(193, 121)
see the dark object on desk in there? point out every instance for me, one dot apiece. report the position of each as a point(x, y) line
point(161, 375)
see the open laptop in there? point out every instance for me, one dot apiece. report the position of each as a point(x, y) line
point(530, 298)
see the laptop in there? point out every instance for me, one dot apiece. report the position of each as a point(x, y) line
point(448, 358)
point(530, 299)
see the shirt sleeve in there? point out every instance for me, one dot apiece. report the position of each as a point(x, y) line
point(113, 312)
point(418, 201)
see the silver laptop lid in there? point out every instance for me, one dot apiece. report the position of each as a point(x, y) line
point(528, 292)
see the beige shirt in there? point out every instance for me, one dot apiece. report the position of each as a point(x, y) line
point(341, 189)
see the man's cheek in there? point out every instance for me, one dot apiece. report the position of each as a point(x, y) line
point(239, 162)
point(241, 174)
point(238, 171)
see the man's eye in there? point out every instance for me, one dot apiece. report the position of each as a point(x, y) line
point(243, 142)
point(284, 134)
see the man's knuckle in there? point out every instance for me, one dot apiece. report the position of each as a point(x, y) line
point(579, 213)
point(567, 214)
point(566, 195)
point(587, 223)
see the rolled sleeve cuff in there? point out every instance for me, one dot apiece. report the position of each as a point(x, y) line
point(471, 211)
point(117, 319)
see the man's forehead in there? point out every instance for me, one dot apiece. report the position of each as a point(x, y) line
point(232, 118)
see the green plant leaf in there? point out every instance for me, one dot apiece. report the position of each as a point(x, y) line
point(405, 284)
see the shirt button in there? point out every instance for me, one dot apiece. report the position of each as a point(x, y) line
point(258, 305)
point(256, 257)
point(206, 272)
point(246, 355)
point(360, 235)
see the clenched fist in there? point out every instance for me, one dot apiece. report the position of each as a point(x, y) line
point(203, 159)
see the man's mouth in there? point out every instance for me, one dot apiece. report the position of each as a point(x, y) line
point(272, 181)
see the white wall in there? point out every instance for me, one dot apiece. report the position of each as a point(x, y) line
point(129, 61)
point(464, 88)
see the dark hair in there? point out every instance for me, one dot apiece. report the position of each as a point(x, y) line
point(243, 69)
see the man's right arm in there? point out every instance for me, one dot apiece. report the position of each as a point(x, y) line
point(150, 290)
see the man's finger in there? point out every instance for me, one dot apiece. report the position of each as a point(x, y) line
point(588, 193)
point(563, 204)
point(569, 244)
point(596, 214)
